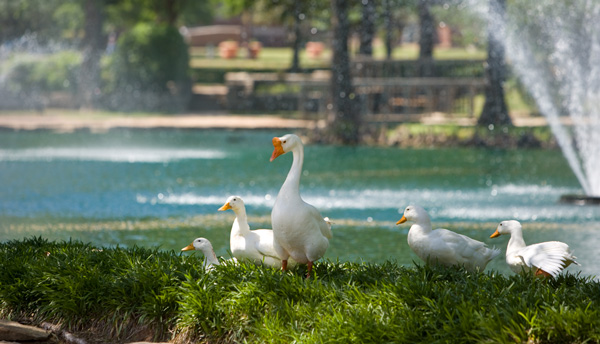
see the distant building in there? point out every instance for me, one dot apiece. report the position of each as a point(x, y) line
point(202, 36)
point(212, 35)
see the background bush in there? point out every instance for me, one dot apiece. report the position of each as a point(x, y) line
point(148, 71)
point(44, 73)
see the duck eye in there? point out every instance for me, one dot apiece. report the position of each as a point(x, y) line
point(284, 141)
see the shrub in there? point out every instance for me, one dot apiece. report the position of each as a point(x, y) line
point(149, 70)
point(44, 73)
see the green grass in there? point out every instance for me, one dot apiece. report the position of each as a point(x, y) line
point(114, 294)
point(281, 58)
point(269, 58)
point(425, 135)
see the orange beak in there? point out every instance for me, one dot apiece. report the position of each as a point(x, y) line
point(496, 234)
point(402, 220)
point(225, 206)
point(189, 247)
point(278, 148)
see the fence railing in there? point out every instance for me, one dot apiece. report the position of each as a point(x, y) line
point(372, 68)
point(309, 94)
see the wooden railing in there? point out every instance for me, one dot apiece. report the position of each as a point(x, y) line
point(362, 67)
point(393, 95)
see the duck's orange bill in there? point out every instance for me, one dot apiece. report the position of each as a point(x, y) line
point(402, 220)
point(496, 234)
point(189, 247)
point(278, 148)
point(225, 206)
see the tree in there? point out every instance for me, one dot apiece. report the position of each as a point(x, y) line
point(297, 36)
point(396, 13)
point(426, 39)
point(387, 23)
point(367, 28)
point(92, 49)
point(344, 122)
point(495, 111)
point(293, 13)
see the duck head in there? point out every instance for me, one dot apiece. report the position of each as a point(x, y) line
point(233, 202)
point(506, 227)
point(200, 244)
point(413, 213)
point(284, 144)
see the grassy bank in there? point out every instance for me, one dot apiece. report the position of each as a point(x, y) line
point(136, 293)
point(444, 135)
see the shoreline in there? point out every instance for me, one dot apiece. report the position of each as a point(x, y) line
point(73, 121)
point(70, 119)
point(422, 131)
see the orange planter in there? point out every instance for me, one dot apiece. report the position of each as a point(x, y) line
point(254, 49)
point(314, 49)
point(228, 49)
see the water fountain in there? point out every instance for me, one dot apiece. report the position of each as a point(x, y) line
point(554, 48)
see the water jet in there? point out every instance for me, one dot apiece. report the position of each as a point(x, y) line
point(554, 48)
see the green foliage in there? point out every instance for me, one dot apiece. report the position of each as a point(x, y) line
point(45, 73)
point(70, 18)
point(24, 17)
point(128, 289)
point(149, 70)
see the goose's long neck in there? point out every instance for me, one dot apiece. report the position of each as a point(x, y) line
point(516, 240)
point(291, 186)
point(240, 224)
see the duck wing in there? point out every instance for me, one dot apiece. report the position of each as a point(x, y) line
point(463, 249)
point(551, 257)
point(263, 242)
point(324, 226)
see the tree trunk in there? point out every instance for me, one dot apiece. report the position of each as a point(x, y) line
point(367, 28)
point(389, 26)
point(92, 49)
point(297, 38)
point(344, 122)
point(426, 40)
point(172, 11)
point(494, 110)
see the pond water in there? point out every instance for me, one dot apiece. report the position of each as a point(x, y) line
point(163, 188)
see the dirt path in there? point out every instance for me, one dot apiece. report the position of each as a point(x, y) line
point(72, 121)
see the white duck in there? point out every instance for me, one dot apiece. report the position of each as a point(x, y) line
point(444, 247)
point(202, 244)
point(545, 259)
point(299, 229)
point(245, 244)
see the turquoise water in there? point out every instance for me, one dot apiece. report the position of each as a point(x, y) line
point(163, 187)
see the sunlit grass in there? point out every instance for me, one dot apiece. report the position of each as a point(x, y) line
point(281, 58)
point(269, 58)
point(114, 294)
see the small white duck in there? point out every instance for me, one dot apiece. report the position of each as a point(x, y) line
point(544, 259)
point(444, 247)
point(253, 245)
point(299, 229)
point(202, 244)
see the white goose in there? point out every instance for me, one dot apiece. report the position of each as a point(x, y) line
point(253, 245)
point(543, 259)
point(299, 229)
point(202, 244)
point(444, 247)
